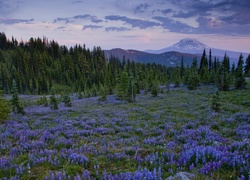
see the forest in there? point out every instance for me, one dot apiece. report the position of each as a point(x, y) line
point(40, 66)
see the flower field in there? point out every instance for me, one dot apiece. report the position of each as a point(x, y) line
point(153, 138)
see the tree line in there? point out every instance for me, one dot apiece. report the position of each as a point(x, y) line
point(39, 66)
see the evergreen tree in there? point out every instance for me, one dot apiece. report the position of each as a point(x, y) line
point(216, 106)
point(240, 81)
point(80, 95)
point(132, 89)
point(203, 70)
point(122, 86)
point(53, 101)
point(224, 79)
point(4, 107)
point(193, 77)
point(66, 100)
point(15, 101)
point(155, 89)
point(103, 93)
point(44, 101)
point(210, 64)
point(247, 66)
point(177, 77)
point(182, 69)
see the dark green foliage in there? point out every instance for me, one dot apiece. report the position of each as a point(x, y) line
point(168, 86)
point(155, 89)
point(42, 101)
point(247, 66)
point(215, 104)
point(80, 95)
point(53, 101)
point(132, 89)
point(122, 86)
point(224, 80)
point(177, 77)
point(103, 93)
point(182, 69)
point(66, 100)
point(203, 69)
point(40, 65)
point(210, 62)
point(4, 108)
point(193, 77)
point(16, 105)
point(240, 81)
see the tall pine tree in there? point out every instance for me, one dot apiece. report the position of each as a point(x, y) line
point(15, 101)
point(240, 81)
point(4, 107)
point(122, 86)
point(247, 66)
point(193, 77)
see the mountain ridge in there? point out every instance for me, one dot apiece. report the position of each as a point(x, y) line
point(193, 46)
point(172, 58)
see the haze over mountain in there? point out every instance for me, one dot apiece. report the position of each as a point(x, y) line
point(187, 48)
point(168, 58)
point(193, 46)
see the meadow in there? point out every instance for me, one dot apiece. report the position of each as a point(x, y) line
point(153, 138)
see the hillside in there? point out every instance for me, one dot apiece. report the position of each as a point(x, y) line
point(153, 137)
point(168, 58)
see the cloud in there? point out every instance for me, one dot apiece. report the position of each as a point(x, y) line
point(217, 17)
point(66, 20)
point(141, 8)
point(108, 29)
point(61, 28)
point(216, 26)
point(76, 2)
point(93, 19)
point(85, 27)
point(166, 11)
point(182, 14)
point(15, 21)
point(142, 24)
point(173, 25)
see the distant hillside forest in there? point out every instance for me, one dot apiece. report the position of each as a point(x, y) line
point(40, 66)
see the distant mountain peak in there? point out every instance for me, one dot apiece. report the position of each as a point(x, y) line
point(189, 44)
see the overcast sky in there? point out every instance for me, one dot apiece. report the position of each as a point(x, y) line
point(139, 24)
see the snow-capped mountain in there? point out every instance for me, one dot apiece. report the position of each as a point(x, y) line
point(193, 46)
point(187, 45)
point(190, 44)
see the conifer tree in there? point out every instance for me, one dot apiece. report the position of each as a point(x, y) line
point(53, 101)
point(66, 100)
point(247, 66)
point(154, 89)
point(210, 64)
point(240, 81)
point(103, 93)
point(122, 86)
point(44, 101)
point(224, 79)
point(193, 77)
point(216, 106)
point(182, 69)
point(177, 77)
point(132, 89)
point(4, 107)
point(15, 101)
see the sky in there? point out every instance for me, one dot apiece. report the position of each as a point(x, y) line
point(127, 24)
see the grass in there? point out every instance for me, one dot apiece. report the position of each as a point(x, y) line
point(118, 137)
